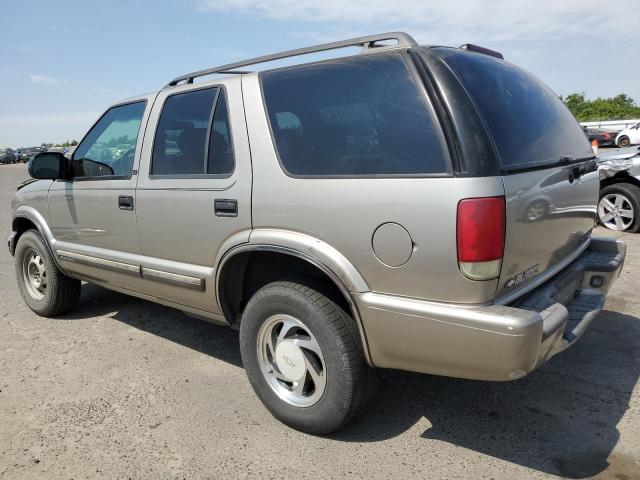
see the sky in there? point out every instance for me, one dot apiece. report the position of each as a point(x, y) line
point(62, 63)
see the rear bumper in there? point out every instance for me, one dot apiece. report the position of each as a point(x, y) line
point(492, 342)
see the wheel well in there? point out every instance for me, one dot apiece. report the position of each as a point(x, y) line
point(246, 272)
point(620, 177)
point(21, 225)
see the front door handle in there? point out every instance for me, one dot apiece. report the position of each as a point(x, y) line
point(225, 207)
point(125, 202)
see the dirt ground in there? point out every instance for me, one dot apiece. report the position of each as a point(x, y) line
point(123, 388)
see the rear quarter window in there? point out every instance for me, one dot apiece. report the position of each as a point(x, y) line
point(354, 116)
point(528, 122)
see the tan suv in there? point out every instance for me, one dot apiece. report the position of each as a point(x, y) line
point(411, 207)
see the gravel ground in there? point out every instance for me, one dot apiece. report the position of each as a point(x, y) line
point(123, 388)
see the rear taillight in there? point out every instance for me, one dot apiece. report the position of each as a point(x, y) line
point(480, 233)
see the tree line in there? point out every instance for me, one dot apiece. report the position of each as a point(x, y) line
point(620, 107)
point(68, 143)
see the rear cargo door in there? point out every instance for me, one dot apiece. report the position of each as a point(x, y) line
point(549, 215)
point(551, 186)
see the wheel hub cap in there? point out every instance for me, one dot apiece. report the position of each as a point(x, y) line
point(34, 274)
point(291, 360)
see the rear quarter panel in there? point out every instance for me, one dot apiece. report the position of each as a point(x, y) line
point(345, 212)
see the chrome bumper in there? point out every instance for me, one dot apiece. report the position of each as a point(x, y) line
point(492, 342)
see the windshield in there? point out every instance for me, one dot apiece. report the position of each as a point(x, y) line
point(528, 122)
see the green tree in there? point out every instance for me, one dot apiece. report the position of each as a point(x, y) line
point(620, 107)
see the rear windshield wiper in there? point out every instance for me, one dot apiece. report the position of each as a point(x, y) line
point(565, 160)
point(569, 160)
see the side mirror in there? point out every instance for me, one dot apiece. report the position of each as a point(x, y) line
point(48, 166)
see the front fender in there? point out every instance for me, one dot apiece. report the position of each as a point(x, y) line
point(34, 216)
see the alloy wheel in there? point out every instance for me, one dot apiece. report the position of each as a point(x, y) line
point(616, 212)
point(291, 360)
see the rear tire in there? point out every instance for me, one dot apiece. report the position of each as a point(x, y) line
point(624, 142)
point(619, 207)
point(45, 289)
point(312, 376)
point(537, 210)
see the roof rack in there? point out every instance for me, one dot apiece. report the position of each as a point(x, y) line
point(367, 43)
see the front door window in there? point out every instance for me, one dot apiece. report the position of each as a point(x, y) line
point(109, 148)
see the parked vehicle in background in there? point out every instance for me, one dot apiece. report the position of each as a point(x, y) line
point(24, 154)
point(629, 136)
point(7, 155)
point(619, 205)
point(362, 212)
point(56, 149)
point(604, 137)
point(69, 151)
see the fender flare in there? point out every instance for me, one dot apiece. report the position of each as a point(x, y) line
point(35, 217)
point(314, 251)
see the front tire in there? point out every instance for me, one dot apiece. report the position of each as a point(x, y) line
point(303, 356)
point(45, 289)
point(619, 207)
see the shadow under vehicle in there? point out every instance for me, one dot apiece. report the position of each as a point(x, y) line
point(560, 420)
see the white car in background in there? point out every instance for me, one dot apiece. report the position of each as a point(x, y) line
point(629, 136)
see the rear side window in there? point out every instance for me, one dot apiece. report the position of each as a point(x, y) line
point(220, 155)
point(353, 116)
point(193, 136)
point(528, 122)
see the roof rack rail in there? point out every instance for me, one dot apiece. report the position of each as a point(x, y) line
point(367, 43)
point(486, 51)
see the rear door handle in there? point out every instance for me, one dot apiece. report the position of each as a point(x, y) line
point(225, 207)
point(125, 202)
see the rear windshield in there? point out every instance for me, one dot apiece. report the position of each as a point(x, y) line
point(528, 122)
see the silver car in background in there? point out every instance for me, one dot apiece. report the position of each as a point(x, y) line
point(619, 206)
point(357, 213)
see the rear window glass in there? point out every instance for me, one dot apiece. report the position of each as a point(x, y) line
point(528, 122)
point(186, 135)
point(352, 116)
